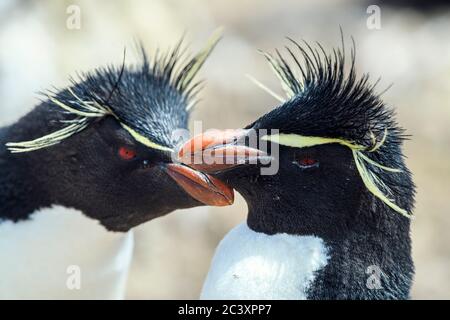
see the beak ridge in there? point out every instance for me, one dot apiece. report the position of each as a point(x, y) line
point(216, 150)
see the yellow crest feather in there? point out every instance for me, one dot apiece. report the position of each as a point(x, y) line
point(201, 57)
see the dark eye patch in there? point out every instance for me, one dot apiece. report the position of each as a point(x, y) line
point(327, 155)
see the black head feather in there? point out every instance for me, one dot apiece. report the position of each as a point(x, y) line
point(326, 100)
point(145, 98)
point(152, 98)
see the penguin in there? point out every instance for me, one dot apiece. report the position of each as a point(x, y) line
point(88, 164)
point(333, 220)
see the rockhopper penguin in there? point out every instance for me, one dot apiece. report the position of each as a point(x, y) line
point(334, 221)
point(88, 164)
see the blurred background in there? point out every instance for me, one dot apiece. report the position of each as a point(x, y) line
point(407, 43)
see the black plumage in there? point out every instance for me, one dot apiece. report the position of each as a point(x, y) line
point(124, 93)
point(326, 100)
point(319, 191)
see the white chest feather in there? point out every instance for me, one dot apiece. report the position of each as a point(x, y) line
point(61, 254)
point(252, 265)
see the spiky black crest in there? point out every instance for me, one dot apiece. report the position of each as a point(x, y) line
point(150, 99)
point(326, 100)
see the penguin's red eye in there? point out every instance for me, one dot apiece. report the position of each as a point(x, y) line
point(126, 153)
point(306, 162)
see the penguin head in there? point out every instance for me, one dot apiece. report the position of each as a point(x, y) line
point(335, 143)
point(105, 144)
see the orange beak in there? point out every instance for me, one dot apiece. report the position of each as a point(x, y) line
point(216, 150)
point(200, 186)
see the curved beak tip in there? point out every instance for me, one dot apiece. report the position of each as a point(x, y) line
point(200, 186)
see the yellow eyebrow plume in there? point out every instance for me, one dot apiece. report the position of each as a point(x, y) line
point(369, 178)
point(92, 111)
point(298, 141)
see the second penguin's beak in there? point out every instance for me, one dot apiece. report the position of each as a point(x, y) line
point(200, 186)
point(219, 150)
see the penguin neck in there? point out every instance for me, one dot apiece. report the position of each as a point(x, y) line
point(20, 192)
point(370, 240)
